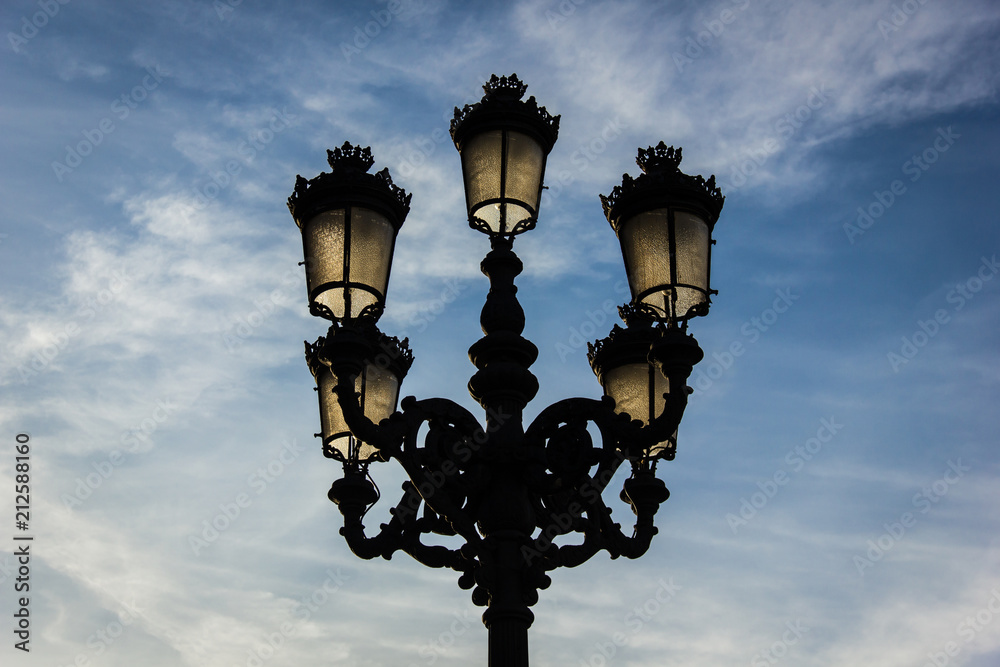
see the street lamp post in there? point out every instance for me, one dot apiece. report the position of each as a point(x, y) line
point(507, 492)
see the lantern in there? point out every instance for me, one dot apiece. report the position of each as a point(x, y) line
point(664, 221)
point(349, 221)
point(377, 363)
point(503, 143)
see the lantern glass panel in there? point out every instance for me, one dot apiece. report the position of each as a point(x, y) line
point(645, 241)
point(331, 418)
point(365, 240)
point(649, 254)
point(525, 162)
point(324, 240)
point(500, 197)
point(379, 390)
point(638, 391)
point(372, 238)
point(481, 159)
point(692, 238)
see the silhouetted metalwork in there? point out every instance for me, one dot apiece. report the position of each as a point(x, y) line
point(509, 494)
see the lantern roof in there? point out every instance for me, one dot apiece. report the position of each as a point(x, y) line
point(502, 107)
point(348, 183)
point(359, 341)
point(661, 184)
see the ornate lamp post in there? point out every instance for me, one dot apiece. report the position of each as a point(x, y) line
point(509, 493)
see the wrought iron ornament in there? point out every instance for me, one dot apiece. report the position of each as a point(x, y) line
point(511, 495)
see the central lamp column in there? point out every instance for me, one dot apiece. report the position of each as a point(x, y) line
point(503, 385)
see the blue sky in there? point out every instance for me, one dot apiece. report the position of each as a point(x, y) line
point(835, 490)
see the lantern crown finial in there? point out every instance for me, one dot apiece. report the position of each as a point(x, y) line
point(348, 176)
point(661, 174)
point(350, 158)
point(500, 104)
point(662, 157)
point(507, 87)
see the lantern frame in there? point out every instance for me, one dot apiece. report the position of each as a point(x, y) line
point(348, 187)
point(501, 109)
point(631, 346)
point(664, 187)
point(354, 351)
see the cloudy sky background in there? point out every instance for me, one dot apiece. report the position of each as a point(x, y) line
point(152, 318)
